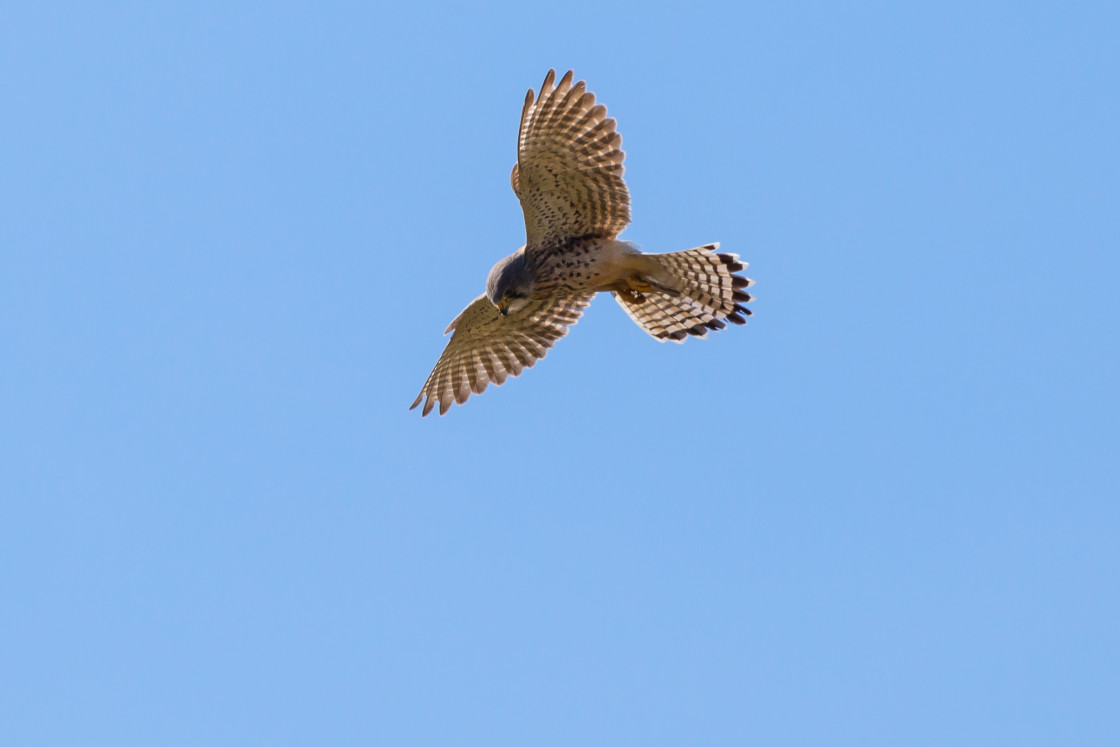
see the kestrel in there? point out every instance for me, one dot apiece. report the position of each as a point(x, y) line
point(568, 177)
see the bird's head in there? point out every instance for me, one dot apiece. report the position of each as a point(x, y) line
point(510, 284)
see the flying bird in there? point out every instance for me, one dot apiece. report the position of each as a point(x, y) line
point(568, 178)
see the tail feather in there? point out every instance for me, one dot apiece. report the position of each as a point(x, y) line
point(696, 291)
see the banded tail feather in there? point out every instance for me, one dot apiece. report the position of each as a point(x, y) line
point(695, 291)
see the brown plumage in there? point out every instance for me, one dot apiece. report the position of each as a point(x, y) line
point(568, 178)
point(568, 174)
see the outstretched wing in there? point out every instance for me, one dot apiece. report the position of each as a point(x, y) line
point(488, 347)
point(568, 174)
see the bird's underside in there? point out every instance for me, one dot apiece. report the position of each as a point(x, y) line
point(568, 178)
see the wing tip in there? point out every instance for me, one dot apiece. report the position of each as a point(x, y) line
point(428, 404)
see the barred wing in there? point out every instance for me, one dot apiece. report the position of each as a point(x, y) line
point(488, 347)
point(568, 174)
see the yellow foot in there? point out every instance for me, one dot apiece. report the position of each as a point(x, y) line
point(637, 285)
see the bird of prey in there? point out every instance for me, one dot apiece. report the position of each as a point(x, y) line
point(568, 177)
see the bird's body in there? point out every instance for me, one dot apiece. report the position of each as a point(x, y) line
point(583, 264)
point(568, 177)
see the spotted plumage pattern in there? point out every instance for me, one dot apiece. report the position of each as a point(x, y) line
point(568, 174)
point(568, 178)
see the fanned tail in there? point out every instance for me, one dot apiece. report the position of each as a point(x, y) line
point(697, 290)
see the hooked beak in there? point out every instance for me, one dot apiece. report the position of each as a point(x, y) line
point(503, 310)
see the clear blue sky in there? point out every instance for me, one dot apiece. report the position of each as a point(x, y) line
point(885, 512)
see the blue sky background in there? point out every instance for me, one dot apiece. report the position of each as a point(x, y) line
point(885, 512)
